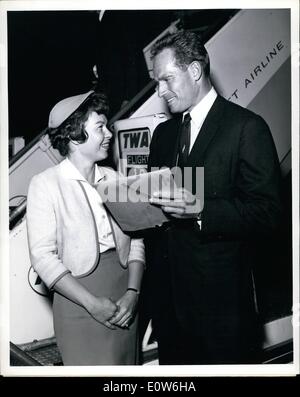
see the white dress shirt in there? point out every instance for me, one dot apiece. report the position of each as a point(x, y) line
point(198, 114)
point(105, 235)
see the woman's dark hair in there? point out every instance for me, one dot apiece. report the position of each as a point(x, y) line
point(73, 128)
point(187, 47)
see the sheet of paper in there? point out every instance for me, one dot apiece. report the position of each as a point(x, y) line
point(127, 199)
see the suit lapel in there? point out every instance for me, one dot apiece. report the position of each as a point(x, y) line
point(176, 142)
point(169, 146)
point(207, 133)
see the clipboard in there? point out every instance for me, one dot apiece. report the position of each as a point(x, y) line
point(127, 199)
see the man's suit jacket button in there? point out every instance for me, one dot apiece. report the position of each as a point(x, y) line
point(214, 193)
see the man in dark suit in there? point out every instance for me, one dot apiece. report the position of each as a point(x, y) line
point(200, 265)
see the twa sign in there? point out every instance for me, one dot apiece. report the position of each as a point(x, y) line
point(133, 138)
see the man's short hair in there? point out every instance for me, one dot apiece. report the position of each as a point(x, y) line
point(187, 47)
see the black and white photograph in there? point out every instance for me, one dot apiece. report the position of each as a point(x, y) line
point(149, 211)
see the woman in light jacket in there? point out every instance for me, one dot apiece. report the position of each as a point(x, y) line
point(77, 248)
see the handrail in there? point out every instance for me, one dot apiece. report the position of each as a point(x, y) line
point(25, 149)
point(126, 108)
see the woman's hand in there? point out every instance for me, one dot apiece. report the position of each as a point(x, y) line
point(103, 309)
point(100, 308)
point(127, 307)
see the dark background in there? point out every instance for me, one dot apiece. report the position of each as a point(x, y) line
point(51, 56)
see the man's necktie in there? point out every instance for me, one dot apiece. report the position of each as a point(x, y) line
point(184, 141)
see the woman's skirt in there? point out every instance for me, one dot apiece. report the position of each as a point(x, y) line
point(80, 338)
